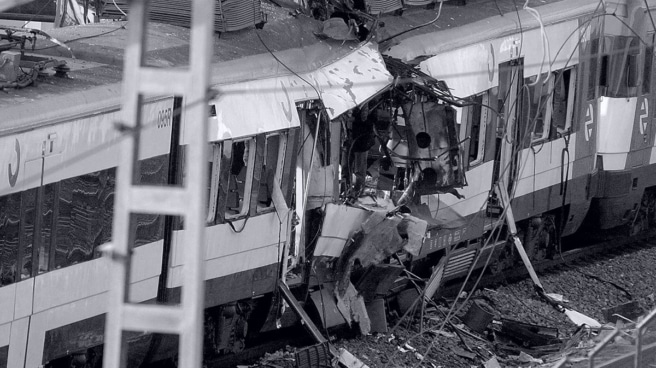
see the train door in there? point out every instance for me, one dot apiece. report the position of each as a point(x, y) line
point(507, 137)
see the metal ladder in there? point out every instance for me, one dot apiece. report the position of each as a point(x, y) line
point(192, 84)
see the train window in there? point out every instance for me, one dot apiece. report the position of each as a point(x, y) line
point(47, 217)
point(272, 165)
point(28, 215)
point(9, 237)
point(649, 58)
point(475, 118)
point(620, 71)
point(536, 106)
point(149, 227)
point(84, 220)
point(240, 178)
point(564, 88)
point(592, 67)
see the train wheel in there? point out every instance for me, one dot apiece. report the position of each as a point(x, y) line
point(645, 217)
point(502, 261)
point(541, 238)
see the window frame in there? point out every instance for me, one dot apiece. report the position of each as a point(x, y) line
point(483, 120)
point(571, 99)
point(280, 162)
point(248, 180)
point(546, 89)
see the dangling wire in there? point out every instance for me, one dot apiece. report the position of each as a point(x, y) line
point(545, 43)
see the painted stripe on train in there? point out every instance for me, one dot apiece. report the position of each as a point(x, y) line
point(17, 354)
point(90, 278)
point(7, 302)
point(475, 193)
point(477, 69)
point(541, 166)
point(61, 316)
point(76, 147)
point(229, 252)
point(493, 27)
point(614, 130)
point(652, 157)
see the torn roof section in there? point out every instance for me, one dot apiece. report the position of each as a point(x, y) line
point(354, 76)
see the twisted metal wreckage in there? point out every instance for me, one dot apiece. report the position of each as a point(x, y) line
point(366, 167)
point(402, 144)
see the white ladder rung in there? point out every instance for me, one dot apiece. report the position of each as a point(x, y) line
point(160, 81)
point(189, 86)
point(152, 318)
point(158, 200)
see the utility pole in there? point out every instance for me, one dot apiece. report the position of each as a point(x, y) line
point(192, 84)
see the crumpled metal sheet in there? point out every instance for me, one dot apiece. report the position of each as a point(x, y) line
point(268, 103)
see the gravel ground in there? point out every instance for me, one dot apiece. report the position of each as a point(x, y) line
point(586, 287)
point(589, 287)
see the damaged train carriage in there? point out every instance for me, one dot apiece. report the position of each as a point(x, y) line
point(532, 99)
point(365, 170)
point(309, 141)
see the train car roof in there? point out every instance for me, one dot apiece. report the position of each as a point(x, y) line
point(95, 75)
point(433, 43)
point(324, 66)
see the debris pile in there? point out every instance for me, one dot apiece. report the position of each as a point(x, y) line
point(510, 326)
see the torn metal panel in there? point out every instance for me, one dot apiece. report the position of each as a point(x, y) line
point(324, 301)
point(372, 203)
point(307, 322)
point(351, 306)
point(529, 334)
point(435, 281)
point(349, 361)
point(339, 223)
point(433, 145)
point(377, 280)
point(413, 229)
point(341, 85)
point(377, 316)
point(378, 239)
point(320, 190)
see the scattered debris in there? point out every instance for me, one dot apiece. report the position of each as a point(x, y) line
point(351, 306)
point(464, 354)
point(478, 316)
point(628, 311)
point(349, 361)
point(529, 335)
point(492, 363)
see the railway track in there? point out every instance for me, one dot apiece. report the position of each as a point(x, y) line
point(265, 343)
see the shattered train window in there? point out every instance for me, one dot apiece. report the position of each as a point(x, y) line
point(475, 118)
point(240, 178)
point(272, 162)
point(536, 106)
